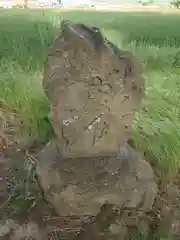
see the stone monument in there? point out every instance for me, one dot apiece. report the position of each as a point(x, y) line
point(95, 90)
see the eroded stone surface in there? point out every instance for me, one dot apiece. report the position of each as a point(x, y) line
point(94, 88)
point(83, 185)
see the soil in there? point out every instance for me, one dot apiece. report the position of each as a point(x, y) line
point(18, 200)
point(22, 202)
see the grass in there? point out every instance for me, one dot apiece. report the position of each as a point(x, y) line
point(25, 37)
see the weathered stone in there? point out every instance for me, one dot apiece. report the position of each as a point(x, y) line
point(81, 186)
point(169, 223)
point(94, 88)
point(6, 227)
point(131, 225)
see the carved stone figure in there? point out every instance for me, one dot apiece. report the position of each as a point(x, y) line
point(95, 90)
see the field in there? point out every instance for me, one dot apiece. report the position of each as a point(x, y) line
point(25, 37)
point(154, 38)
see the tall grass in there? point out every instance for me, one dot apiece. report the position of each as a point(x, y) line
point(25, 37)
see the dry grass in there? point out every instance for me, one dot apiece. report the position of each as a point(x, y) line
point(9, 126)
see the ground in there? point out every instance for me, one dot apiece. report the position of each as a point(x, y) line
point(25, 37)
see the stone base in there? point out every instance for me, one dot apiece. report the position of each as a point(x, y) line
point(81, 186)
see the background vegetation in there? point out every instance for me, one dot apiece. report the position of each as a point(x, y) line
point(25, 38)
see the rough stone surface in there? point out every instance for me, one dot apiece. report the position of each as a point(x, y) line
point(169, 227)
point(81, 186)
point(94, 88)
point(131, 225)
